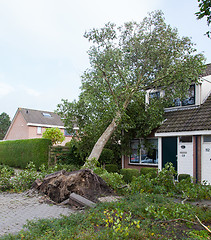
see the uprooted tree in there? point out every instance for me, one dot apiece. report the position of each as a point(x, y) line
point(125, 62)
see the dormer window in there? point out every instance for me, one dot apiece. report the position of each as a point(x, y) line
point(154, 95)
point(46, 114)
point(190, 100)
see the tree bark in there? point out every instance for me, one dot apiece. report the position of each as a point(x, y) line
point(101, 142)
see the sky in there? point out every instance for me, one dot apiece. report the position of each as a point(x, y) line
point(43, 53)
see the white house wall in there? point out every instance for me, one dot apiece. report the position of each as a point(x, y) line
point(205, 88)
point(206, 161)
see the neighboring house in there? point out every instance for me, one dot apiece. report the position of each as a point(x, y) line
point(184, 137)
point(28, 123)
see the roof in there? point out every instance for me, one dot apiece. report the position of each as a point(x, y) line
point(38, 117)
point(207, 71)
point(191, 119)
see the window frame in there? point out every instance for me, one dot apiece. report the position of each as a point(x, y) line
point(39, 130)
point(140, 152)
point(178, 102)
point(206, 136)
point(66, 134)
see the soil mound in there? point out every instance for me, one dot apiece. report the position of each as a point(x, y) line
point(59, 185)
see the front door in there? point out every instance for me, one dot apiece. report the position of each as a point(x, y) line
point(169, 151)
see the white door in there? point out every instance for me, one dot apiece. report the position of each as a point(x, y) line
point(185, 155)
point(206, 159)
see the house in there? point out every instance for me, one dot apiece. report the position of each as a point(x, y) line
point(28, 123)
point(184, 137)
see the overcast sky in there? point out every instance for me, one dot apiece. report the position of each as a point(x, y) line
point(43, 52)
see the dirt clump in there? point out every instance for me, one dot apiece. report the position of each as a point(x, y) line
point(59, 185)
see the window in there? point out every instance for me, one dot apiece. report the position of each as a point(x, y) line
point(46, 114)
point(149, 151)
point(154, 95)
point(207, 138)
point(144, 153)
point(135, 155)
point(190, 100)
point(67, 134)
point(185, 139)
point(39, 130)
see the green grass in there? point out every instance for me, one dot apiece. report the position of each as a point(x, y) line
point(138, 216)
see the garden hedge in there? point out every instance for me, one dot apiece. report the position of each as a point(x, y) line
point(149, 170)
point(18, 153)
point(111, 168)
point(129, 173)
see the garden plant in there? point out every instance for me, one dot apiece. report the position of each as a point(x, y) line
point(145, 211)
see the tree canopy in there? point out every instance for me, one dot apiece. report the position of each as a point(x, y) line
point(4, 124)
point(54, 134)
point(126, 61)
point(205, 11)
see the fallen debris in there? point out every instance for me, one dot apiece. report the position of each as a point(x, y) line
point(79, 188)
point(81, 201)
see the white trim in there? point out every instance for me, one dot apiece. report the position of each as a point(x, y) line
point(44, 125)
point(187, 133)
point(160, 153)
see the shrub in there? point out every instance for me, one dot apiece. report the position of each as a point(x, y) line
point(129, 173)
point(23, 180)
point(106, 157)
point(73, 156)
point(5, 175)
point(166, 177)
point(9, 169)
point(153, 172)
point(19, 153)
point(99, 171)
point(184, 176)
point(54, 134)
point(112, 168)
point(114, 180)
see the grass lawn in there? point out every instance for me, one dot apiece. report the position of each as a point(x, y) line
point(137, 216)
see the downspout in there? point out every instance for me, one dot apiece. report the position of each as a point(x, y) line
point(196, 158)
point(123, 161)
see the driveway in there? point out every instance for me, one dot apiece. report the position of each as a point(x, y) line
point(17, 208)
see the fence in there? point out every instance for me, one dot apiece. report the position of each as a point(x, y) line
point(57, 151)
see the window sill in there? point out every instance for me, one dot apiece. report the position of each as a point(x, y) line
point(144, 164)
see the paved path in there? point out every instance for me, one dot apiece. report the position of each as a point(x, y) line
point(17, 208)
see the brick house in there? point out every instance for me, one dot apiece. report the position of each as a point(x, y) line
point(184, 137)
point(28, 123)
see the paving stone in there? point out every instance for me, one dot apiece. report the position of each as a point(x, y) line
point(16, 209)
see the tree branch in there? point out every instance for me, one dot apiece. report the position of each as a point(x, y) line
point(178, 219)
point(109, 85)
point(203, 224)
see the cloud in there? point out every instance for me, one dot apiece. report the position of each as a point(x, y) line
point(31, 92)
point(5, 89)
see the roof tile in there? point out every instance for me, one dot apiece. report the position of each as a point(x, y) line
point(195, 119)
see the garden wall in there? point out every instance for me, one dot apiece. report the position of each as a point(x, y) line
point(19, 153)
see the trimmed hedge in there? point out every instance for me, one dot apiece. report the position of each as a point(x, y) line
point(149, 170)
point(128, 174)
point(111, 168)
point(19, 153)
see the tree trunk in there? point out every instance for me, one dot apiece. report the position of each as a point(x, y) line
point(101, 142)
